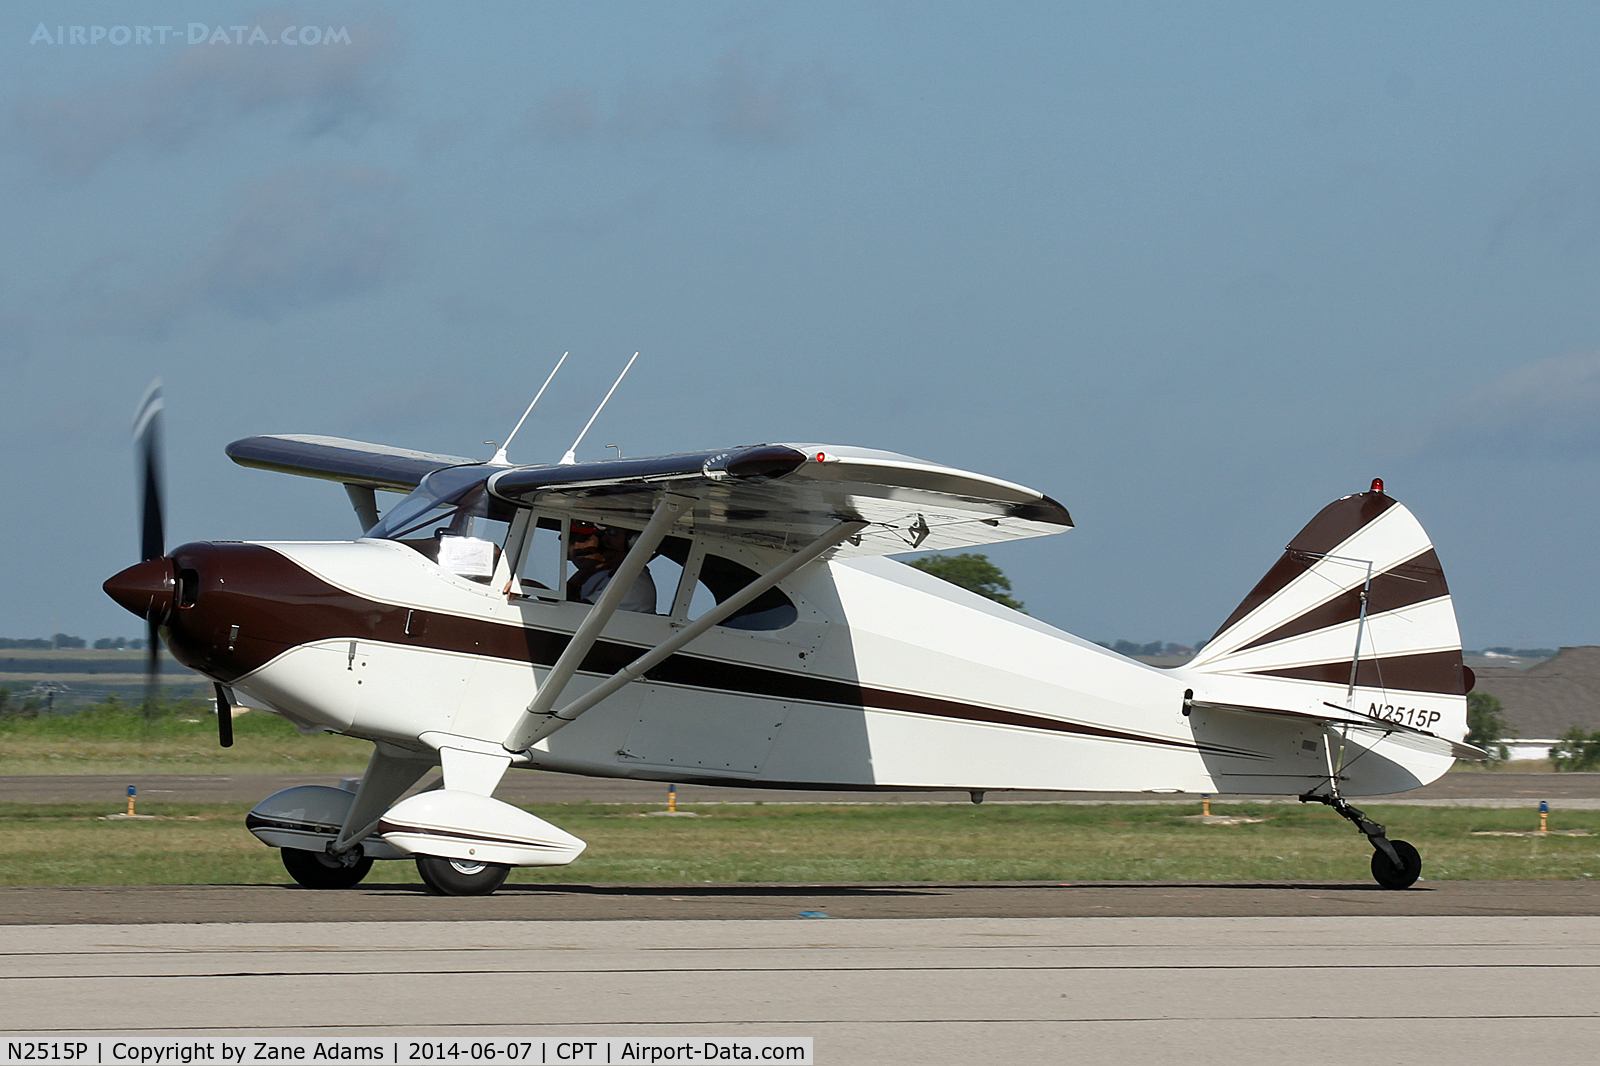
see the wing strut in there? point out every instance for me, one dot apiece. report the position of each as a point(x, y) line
point(530, 730)
point(667, 512)
point(365, 501)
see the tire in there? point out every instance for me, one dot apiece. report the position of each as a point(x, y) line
point(1388, 876)
point(317, 869)
point(456, 877)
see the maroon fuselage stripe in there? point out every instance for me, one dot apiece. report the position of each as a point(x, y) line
point(277, 605)
point(385, 827)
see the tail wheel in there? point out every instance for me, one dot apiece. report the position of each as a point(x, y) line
point(458, 877)
point(1388, 875)
point(318, 869)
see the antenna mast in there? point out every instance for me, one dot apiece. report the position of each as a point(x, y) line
point(572, 453)
point(500, 455)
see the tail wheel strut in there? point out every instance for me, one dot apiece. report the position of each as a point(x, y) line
point(1395, 863)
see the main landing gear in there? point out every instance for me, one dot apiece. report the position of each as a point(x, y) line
point(318, 869)
point(1395, 864)
point(457, 877)
point(444, 877)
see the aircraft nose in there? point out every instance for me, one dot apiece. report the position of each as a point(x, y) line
point(145, 588)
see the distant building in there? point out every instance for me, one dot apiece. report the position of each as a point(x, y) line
point(1546, 699)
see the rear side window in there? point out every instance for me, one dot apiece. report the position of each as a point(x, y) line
point(723, 577)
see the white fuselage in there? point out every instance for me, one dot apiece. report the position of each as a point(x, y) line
point(889, 678)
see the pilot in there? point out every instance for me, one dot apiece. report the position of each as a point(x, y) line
point(597, 551)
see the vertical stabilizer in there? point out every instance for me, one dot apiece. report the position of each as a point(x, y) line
point(1355, 613)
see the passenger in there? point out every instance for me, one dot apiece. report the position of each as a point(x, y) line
point(597, 552)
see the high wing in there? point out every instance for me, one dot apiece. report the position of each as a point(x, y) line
point(772, 495)
point(784, 495)
point(352, 462)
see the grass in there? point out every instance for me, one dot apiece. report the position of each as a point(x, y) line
point(44, 844)
point(113, 737)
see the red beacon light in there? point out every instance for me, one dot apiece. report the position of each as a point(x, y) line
point(1377, 484)
point(822, 457)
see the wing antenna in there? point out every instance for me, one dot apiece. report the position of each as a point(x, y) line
point(500, 454)
point(572, 453)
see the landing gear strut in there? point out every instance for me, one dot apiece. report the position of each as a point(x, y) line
point(1395, 864)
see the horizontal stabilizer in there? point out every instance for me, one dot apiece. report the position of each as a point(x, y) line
point(1399, 732)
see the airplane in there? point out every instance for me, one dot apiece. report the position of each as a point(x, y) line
point(790, 650)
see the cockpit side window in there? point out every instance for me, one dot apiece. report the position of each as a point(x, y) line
point(540, 573)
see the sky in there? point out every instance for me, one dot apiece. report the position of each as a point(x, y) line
point(1193, 270)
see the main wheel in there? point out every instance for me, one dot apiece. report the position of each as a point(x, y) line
point(457, 877)
point(1405, 875)
point(318, 869)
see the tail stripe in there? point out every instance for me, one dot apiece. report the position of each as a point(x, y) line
point(1333, 525)
point(1422, 627)
point(1439, 671)
point(1415, 581)
point(1385, 544)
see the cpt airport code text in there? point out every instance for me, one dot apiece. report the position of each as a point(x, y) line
point(449, 1051)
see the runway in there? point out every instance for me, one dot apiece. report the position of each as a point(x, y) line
point(1235, 991)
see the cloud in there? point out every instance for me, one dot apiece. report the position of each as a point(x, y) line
point(303, 239)
point(295, 240)
point(749, 106)
point(1548, 409)
point(197, 95)
point(742, 101)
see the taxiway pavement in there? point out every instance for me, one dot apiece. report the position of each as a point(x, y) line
point(1150, 990)
point(156, 904)
point(916, 974)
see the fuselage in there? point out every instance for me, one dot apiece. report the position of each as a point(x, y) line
point(884, 678)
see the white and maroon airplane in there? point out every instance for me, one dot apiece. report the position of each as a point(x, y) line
point(785, 649)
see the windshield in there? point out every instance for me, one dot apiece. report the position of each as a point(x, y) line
point(449, 499)
point(452, 510)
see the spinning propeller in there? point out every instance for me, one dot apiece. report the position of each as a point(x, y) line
point(152, 526)
point(152, 546)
